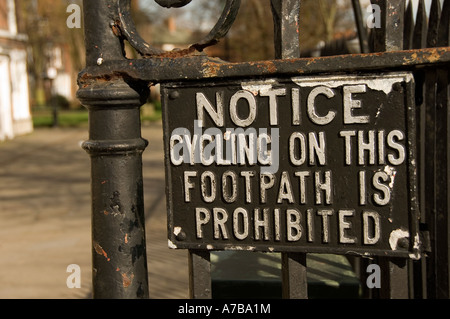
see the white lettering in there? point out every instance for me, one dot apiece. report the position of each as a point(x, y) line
point(315, 118)
point(350, 105)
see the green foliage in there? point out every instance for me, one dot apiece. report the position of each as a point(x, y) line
point(66, 118)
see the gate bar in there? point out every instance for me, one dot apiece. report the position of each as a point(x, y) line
point(395, 272)
point(115, 145)
point(199, 274)
point(286, 15)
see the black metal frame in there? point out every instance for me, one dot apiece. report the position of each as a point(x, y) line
point(113, 88)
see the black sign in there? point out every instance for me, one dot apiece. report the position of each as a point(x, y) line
point(304, 164)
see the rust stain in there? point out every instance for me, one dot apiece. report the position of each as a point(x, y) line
point(412, 58)
point(210, 69)
point(270, 66)
point(178, 53)
point(126, 238)
point(99, 250)
point(127, 280)
point(434, 56)
point(428, 56)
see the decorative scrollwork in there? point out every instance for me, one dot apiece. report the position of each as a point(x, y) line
point(128, 29)
point(172, 3)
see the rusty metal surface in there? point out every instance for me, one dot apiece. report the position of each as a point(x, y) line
point(199, 67)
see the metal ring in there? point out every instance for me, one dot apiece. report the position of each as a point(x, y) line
point(172, 3)
point(129, 32)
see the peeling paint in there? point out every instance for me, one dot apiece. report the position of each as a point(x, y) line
point(379, 110)
point(391, 173)
point(258, 86)
point(243, 248)
point(172, 245)
point(416, 248)
point(127, 280)
point(99, 250)
point(385, 84)
point(397, 235)
point(176, 230)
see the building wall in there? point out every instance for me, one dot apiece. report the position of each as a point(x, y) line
point(15, 115)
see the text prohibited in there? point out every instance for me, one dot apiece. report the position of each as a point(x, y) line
point(303, 164)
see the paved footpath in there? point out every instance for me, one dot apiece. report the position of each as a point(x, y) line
point(45, 217)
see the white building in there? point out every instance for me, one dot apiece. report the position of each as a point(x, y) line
point(15, 115)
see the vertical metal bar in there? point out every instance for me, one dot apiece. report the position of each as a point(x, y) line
point(115, 146)
point(419, 39)
point(443, 162)
point(286, 15)
point(419, 266)
point(362, 31)
point(420, 29)
point(433, 23)
point(394, 276)
point(430, 155)
point(442, 183)
point(293, 267)
point(390, 36)
point(430, 177)
point(409, 27)
point(444, 24)
point(199, 274)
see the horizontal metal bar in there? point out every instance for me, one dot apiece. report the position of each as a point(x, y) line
point(199, 67)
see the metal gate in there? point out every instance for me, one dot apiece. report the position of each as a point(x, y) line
point(390, 168)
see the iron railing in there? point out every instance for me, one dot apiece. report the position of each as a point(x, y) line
point(113, 88)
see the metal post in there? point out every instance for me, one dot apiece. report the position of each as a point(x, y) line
point(287, 46)
point(390, 36)
point(200, 274)
point(286, 15)
point(443, 162)
point(115, 146)
point(362, 31)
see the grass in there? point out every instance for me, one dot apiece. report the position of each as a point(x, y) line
point(66, 118)
point(43, 117)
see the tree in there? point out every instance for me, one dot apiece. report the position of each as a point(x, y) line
point(45, 23)
point(322, 19)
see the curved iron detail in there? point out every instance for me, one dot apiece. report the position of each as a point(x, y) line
point(172, 3)
point(222, 27)
point(127, 29)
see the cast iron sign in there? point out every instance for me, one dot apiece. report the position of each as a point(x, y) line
point(303, 164)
